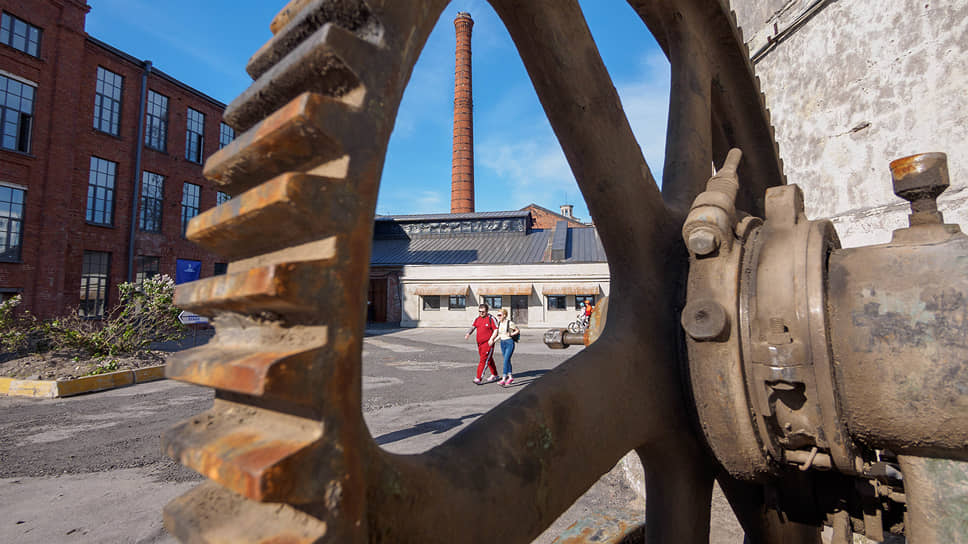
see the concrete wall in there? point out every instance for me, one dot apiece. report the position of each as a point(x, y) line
point(476, 276)
point(855, 86)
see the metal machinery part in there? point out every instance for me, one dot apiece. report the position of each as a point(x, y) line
point(285, 445)
point(834, 363)
point(562, 338)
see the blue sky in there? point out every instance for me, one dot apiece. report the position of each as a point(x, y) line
point(517, 159)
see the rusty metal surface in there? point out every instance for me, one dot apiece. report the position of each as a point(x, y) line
point(900, 325)
point(285, 444)
point(847, 363)
point(562, 338)
point(937, 492)
point(624, 527)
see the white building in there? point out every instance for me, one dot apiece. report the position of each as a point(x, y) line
point(434, 270)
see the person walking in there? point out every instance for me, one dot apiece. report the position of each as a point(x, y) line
point(506, 331)
point(486, 326)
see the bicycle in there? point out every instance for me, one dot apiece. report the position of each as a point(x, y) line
point(579, 325)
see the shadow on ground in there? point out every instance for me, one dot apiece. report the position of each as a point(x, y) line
point(435, 427)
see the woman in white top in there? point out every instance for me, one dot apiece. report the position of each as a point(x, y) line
point(506, 331)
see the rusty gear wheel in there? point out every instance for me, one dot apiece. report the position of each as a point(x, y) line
point(285, 445)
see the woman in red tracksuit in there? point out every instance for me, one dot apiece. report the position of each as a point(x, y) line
point(485, 324)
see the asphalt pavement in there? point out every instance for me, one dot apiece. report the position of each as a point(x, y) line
point(90, 468)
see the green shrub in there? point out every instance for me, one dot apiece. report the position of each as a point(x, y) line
point(19, 331)
point(104, 368)
point(145, 314)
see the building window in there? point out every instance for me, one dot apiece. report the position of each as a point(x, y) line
point(20, 35)
point(221, 268)
point(494, 302)
point(11, 223)
point(107, 101)
point(7, 294)
point(94, 284)
point(457, 302)
point(156, 121)
point(225, 135)
point(580, 301)
point(146, 267)
point(152, 198)
point(190, 198)
point(17, 112)
point(100, 192)
point(431, 302)
point(195, 136)
point(221, 198)
point(557, 302)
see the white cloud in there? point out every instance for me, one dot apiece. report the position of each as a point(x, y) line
point(646, 103)
point(428, 202)
point(412, 202)
point(530, 162)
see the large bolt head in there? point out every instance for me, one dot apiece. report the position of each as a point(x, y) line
point(918, 177)
point(704, 320)
point(703, 240)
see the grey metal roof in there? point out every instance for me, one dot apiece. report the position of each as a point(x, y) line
point(583, 246)
point(452, 216)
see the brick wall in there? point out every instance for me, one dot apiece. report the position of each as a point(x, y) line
point(55, 173)
point(542, 218)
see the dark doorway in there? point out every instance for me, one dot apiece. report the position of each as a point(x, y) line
point(519, 309)
point(376, 301)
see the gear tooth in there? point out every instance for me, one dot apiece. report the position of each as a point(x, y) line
point(290, 209)
point(294, 138)
point(293, 10)
point(257, 453)
point(290, 375)
point(353, 15)
point(210, 514)
point(323, 63)
point(291, 289)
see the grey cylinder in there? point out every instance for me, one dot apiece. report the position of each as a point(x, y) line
point(899, 329)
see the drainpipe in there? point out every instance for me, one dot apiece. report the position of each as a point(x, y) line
point(137, 168)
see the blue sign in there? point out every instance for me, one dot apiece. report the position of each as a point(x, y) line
point(187, 270)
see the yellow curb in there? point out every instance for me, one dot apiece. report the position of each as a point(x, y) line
point(149, 373)
point(65, 388)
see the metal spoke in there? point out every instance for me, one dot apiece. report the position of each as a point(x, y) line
point(587, 116)
point(712, 86)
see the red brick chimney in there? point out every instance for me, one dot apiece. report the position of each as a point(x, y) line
point(462, 169)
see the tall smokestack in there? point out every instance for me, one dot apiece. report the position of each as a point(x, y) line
point(462, 169)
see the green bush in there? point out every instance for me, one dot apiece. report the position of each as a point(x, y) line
point(145, 314)
point(16, 329)
point(104, 368)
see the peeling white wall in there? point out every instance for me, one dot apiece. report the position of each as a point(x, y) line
point(859, 84)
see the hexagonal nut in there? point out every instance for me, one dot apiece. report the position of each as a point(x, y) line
point(704, 320)
point(703, 240)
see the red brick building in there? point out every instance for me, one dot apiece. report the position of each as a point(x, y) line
point(100, 163)
point(543, 218)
